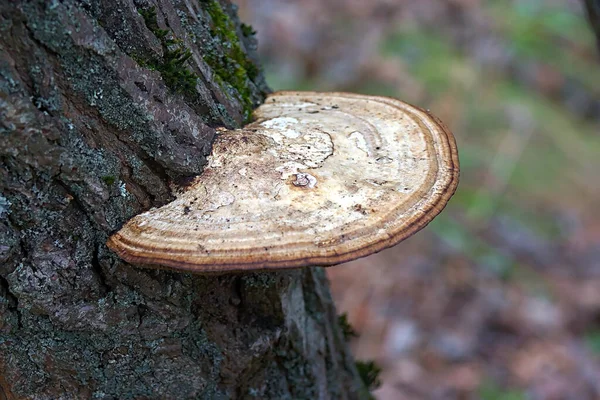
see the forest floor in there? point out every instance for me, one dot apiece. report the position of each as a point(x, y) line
point(499, 298)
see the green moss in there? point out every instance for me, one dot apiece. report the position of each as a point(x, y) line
point(232, 67)
point(230, 64)
point(172, 66)
point(247, 30)
point(369, 373)
point(347, 329)
point(109, 180)
point(151, 21)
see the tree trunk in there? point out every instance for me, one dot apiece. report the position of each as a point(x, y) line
point(104, 106)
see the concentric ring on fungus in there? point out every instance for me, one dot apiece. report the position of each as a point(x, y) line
point(316, 179)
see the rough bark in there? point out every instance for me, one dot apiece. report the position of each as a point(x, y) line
point(104, 105)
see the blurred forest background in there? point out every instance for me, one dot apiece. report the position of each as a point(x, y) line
point(499, 298)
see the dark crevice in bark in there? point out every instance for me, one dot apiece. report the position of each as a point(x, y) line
point(23, 246)
point(13, 301)
point(237, 296)
point(157, 170)
point(13, 305)
point(105, 288)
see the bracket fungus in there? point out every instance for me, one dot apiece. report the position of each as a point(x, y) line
point(316, 179)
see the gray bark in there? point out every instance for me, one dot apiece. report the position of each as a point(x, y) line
point(97, 120)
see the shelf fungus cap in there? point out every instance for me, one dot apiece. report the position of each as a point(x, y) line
point(316, 179)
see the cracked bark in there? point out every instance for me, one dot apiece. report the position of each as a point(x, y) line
point(92, 135)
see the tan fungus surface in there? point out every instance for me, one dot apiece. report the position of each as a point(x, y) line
point(317, 179)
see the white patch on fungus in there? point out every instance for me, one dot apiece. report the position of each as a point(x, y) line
point(359, 141)
point(282, 125)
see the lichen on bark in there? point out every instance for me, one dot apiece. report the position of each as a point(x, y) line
point(89, 138)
